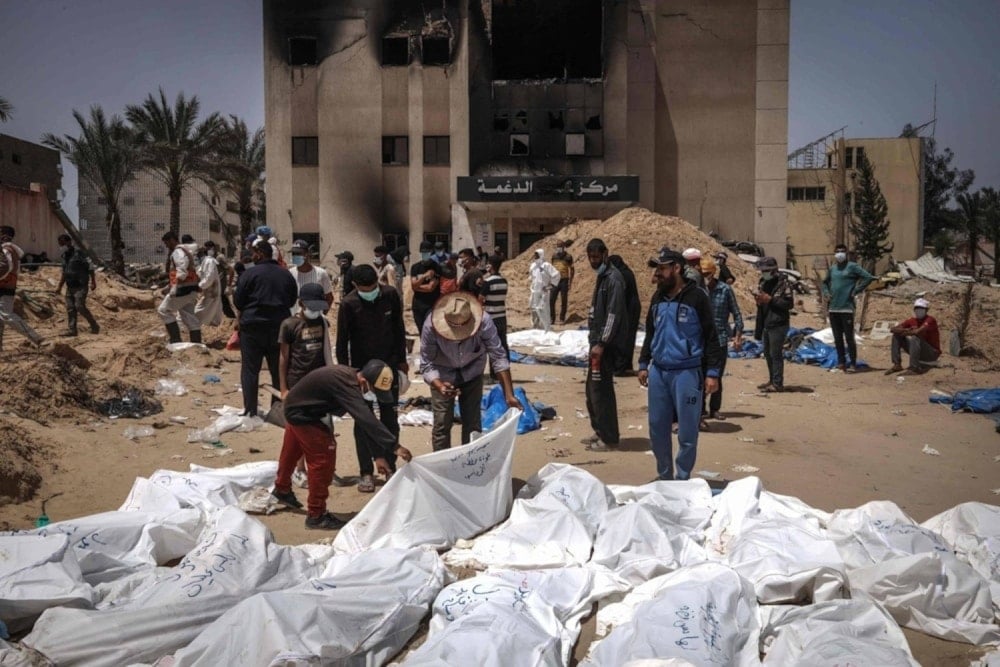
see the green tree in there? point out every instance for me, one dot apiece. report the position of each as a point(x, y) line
point(240, 170)
point(105, 156)
point(991, 217)
point(970, 204)
point(870, 224)
point(173, 145)
point(6, 110)
point(942, 182)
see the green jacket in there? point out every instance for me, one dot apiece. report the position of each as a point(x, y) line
point(841, 284)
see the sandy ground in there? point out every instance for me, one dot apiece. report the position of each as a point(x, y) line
point(833, 440)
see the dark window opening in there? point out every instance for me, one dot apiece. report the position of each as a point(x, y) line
point(396, 51)
point(521, 120)
point(435, 50)
point(396, 150)
point(501, 121)
point(545, 39)
point(859, 156)
point(853, 156)
point(520, 144)
point(438, 237)
point(437, 150)
point(556, 120)
point(15, 158)
point(305, 150)
point(806, 194)
point(594, 122)
point(302, 51)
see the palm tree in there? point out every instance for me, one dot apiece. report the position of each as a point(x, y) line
point(104, 154)
point(971, 207)
point(6, 110)
point(174, 146)
point(240, 170)
point(991, 202)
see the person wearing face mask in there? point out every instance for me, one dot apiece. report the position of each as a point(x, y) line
point(425, 280)
point(307, 273)
point(385, 268)
point(472, 276)
point(543, 277)
point(608, 324)
point(209, 306)
point(681, 362)
point(265, 294)
point(304, 338)
point(370, 326)
point(919, 337)
point(774, 304)
point(844, 280)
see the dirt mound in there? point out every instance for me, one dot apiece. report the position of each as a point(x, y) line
point(634, 233)
point(971, 309)
point(20, 456)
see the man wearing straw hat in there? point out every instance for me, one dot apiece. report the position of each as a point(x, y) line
point(455, 342)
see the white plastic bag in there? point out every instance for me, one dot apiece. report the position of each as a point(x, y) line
point(166, 387)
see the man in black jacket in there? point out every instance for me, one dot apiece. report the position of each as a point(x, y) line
point(608, 325)
point(370, 326)
point(265, 294)
point(774, 304)
point(633, 312)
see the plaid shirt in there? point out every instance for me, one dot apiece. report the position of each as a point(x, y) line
point(723, 303)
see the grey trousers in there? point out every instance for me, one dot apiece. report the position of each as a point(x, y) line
point(443, 407)
point(918, 349)
point(774, 343)
point(76, 303)
point(8, 316)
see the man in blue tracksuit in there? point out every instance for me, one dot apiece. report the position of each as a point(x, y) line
point(680, 330)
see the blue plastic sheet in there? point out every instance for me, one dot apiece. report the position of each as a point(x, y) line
point(494, 406)
point(565, 360)
point(983, 401)
point(812, 351)
point(750, 349)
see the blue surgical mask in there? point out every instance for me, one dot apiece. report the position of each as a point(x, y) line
point(601, 269)
point(425, 255)
point(369, 296)
point(767, 275)
point(311, 314)
point(298, 260)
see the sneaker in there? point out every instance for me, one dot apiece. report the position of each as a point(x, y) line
point(716, 415)
point(300, 480)
point(597, 446)
point(325, 521)
point(765, 385)
point(773, 389)
point(287, 499)
point(851, 369)
point(341, 482)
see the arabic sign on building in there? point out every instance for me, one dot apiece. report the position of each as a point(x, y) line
point(548, 188)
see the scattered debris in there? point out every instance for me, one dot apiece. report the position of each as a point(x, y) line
point(169, 388)
point(560, 453)
point(930, 450)
point(746, 439)
point(258, 500)
point(743, 467)
point(708, 474)
point(136, 432)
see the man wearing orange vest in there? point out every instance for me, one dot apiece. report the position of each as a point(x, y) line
point(10, 264)
point(182, 295)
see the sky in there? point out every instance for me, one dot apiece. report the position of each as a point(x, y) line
point(868, 64)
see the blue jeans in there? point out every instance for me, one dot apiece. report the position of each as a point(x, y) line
point(674, 393)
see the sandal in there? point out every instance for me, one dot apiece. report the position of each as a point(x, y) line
point(367, 484)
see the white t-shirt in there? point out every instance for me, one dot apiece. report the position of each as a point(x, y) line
point(317, 275)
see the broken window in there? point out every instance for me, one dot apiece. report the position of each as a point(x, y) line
point(302, 51)
point(594, 122)
point(305, 150)
point(556, 120)
point(546, 39)
point(435, 50)
point(437, 150)
point(501, 121)
point(396, 51)
point(521, 120)
point(576, 144)
point(396, 150)
point(520, 145)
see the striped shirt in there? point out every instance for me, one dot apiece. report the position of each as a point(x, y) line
point(723, 303)
point(494, 291)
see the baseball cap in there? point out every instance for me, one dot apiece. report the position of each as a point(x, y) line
point(312, 297)
point(379, 377)
point(767, 264)
point(347, 254)
point(250, 238)
point(425, 246)
point(691, 253)
point(921, 303)
point(300, 247)
point(666, 256)
point(264, 230)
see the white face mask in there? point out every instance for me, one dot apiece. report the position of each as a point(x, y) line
point(767, 275)
point(920, 313)
point(379, 261)
point(840, 256)
point(311, 314)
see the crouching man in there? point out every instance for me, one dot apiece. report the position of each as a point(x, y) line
point(335, 390)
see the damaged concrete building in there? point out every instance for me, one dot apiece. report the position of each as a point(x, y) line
point(495, 122)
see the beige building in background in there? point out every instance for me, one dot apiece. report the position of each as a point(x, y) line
point(480, 123)
point(821, 182)
point(145, 212)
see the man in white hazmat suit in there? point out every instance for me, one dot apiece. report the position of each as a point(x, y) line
point(181, 295)
point(209, 306)
point(544, 277)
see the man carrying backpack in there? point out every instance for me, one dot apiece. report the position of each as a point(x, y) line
point(77, 271)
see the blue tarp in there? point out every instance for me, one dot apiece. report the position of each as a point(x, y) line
point(813, 351)
point(566, 360)
point(751, 349)
point(983, 401)
point(494, 406)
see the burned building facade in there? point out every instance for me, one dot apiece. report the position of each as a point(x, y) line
point(495, 122)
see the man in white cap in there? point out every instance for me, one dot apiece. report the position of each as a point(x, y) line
point(919, 337)
point(455, 342)
point(692, 267)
